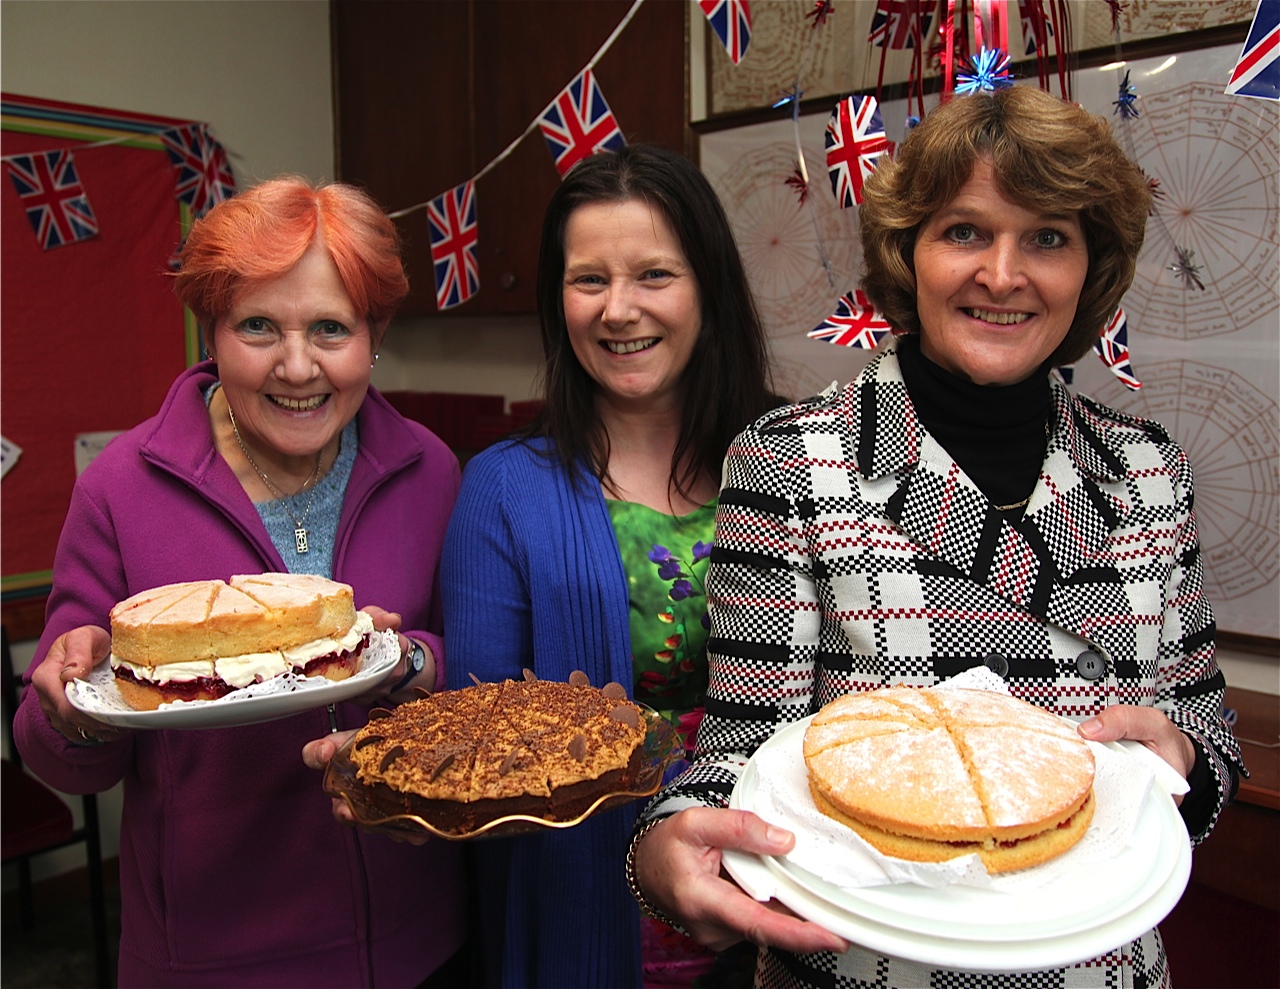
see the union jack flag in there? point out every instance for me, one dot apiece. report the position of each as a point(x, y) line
point(896, 23)
point(204, 174)
point(452, 218)
point(1112, 346)
point(1034, 22)
point(855, 323)
point(53, 197)
point(855, 139)
point(1257, 73)
point(731, 21)
point(579, 123)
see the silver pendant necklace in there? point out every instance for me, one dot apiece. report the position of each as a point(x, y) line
point(299, 524)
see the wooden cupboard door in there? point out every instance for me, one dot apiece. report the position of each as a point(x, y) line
point(536, 50)
point(427, 94)
point(401, 74)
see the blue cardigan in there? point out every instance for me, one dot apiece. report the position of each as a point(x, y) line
point(532, 577)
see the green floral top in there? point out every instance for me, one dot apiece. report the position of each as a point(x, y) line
point(665, 559)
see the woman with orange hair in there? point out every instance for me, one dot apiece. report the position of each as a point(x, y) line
point(233, 871)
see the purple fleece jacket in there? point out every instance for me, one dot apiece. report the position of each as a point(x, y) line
point(233, 871)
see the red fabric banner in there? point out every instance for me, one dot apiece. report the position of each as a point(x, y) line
point(92, 332)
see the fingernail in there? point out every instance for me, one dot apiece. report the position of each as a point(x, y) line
point(1091, 727)
point(775, 836)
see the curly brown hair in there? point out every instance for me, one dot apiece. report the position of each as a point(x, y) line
point(1047, 155)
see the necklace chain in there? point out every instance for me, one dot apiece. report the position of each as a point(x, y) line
point(299, 524)
point(1019, 504)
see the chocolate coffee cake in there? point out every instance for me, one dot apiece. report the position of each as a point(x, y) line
point(461, 758)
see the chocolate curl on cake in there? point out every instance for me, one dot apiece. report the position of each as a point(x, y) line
point(393, 753)
point(579, 679)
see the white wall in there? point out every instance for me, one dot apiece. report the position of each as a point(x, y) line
point(257, 73)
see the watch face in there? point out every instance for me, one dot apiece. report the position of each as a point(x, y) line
point(418, 657)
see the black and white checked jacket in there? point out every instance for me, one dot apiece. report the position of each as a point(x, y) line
point(851, 552)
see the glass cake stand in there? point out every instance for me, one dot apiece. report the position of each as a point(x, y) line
point(661, 747)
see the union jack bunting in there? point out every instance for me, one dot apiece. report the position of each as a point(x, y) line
point(855, 139)
point(1033, 22)
point(452, 219)
point(204, 174)
point(855, 323)
point(1257, 73)
point(1112, 346)
point(731, 21)
point(579, 123)
point(53, 197)
point(896, 23)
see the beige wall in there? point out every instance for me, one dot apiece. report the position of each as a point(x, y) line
point(258, 73)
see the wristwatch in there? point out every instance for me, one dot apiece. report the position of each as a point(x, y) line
point(417, 660)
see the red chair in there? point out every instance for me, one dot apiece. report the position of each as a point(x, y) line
point(36, 820)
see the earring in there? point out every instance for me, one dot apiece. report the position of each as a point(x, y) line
point(375, 360)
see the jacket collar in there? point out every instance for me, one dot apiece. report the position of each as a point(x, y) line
point(1077, 501)
point(181, 441)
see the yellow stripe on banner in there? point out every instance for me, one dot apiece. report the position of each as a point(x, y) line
point(26, 581)
point(191, 329)
point(77, 132)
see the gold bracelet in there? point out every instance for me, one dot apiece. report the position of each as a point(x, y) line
point(633, 884)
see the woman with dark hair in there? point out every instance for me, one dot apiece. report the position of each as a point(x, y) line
point(955, 507)
point(232, 869)
point(581, 544)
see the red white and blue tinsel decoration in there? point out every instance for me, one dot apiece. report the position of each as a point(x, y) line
point(54, 199)
point(1112, 346)
point(855, 143)
point(1257, 71)
point(1185, 267)
point(899, 24)
point(1037, 29)
point(451, 217)
point(988, 71)
point(1126, 102)
point(822, 9)
point(855, 323)
point(731, 21)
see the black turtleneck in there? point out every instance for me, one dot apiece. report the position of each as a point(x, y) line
point(996, 433)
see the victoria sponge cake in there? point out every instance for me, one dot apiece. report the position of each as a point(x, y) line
point(462, 758)
point(929, 775)
point(202, 639)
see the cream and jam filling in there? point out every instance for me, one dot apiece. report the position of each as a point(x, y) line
point(234, 672)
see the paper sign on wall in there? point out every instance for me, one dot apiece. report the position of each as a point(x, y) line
point(9, 454)
point(89, 445)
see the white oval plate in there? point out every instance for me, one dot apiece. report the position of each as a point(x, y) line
point(278, 698)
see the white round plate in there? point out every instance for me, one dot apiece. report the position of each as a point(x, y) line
point(1071, 918)
point(979, 956)
point(285, 696)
